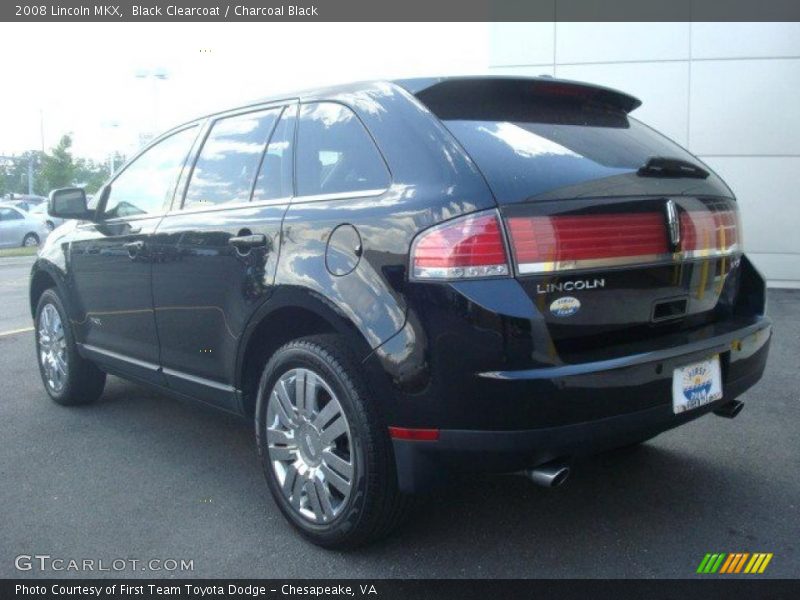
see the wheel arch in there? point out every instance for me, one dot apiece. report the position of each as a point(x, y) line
point(44, 278)
point(290, 313)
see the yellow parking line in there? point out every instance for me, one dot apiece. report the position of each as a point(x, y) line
point(13, 331)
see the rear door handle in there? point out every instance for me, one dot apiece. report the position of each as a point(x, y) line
point(246, 242)
point(134, 248)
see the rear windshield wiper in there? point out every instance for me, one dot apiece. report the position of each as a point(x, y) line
point(660, 166)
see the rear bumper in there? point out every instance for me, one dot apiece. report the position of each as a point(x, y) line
point(579, 414)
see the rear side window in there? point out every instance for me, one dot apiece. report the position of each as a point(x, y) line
point(275, 175)
point(9, 214)
point(335, 154)
point(229, 159)
point(522, 159)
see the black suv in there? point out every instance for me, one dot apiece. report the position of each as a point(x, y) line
point(401, 280)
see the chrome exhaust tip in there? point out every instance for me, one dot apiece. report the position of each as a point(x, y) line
point(550, 475)
point(729, 410)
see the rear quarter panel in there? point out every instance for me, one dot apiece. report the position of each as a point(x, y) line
point(431, 180)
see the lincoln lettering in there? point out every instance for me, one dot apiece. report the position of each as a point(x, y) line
point(569, 286)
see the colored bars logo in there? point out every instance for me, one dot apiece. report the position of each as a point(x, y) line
point(735, 562)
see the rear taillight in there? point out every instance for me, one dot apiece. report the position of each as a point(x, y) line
point(545, 244)
point(465, 248)
point(710, 233)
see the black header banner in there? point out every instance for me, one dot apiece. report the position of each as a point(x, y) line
point(399, 10)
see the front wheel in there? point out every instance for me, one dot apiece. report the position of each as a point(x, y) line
point(68, 378)
point(324, 449)
point(30, 241)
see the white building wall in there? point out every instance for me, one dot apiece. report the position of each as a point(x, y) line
point(729, 92)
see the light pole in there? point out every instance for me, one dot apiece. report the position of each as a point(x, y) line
point(41, 128)
point(31, 164)
point(157, 74)
point(7, 160)
point(113, 125)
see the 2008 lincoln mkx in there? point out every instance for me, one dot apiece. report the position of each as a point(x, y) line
point(385, 278)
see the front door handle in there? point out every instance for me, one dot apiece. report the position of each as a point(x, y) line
point(134, 248)
point(246, 242)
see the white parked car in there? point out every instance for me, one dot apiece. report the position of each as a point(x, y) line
point(18, 228)
point(40, 212)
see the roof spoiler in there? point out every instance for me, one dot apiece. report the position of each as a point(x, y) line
point(438, 93)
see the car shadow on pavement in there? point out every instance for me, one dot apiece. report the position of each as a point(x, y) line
point(674, 490)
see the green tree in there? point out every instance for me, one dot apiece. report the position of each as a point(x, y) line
point(90, 174)
point(54, 170)
point(14, 173)
point(5, 179)
point(58, 169)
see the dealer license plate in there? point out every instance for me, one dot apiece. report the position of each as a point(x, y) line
point(696, 384)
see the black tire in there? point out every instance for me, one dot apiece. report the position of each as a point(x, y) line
point(28, 238)
point(375, 506)
point(84, 382)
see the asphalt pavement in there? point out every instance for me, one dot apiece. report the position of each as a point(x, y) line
point(139, 476)
point(14, 308)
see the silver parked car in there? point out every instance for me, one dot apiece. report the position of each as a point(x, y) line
point(18, 228)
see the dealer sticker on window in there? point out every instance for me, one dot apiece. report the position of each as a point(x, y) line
point(696, 384)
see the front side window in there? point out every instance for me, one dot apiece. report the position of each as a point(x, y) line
point(335, 154)
point(147, 184)
point(229, 159)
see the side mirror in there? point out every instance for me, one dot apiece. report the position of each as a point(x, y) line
point(69, 203)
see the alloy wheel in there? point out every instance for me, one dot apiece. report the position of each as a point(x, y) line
point(52, 348)
point(310, 445)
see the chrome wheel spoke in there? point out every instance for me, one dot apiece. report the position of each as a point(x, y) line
point(305, 391)
point(331, 410)
point(278, 436)
point(288, 482)
point(285, 402)
point(44, 326)
point(309, 447)
point(283, 453)
point(300, 390)
point(324, 497)
point(297, 491)
point(283, 408)
point(336, 480)
point(337, 463)
point(313, 498)
point(334, 430)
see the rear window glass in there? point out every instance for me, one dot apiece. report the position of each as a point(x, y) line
point(522, 159)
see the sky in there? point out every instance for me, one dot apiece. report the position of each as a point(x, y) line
point(96, 80)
